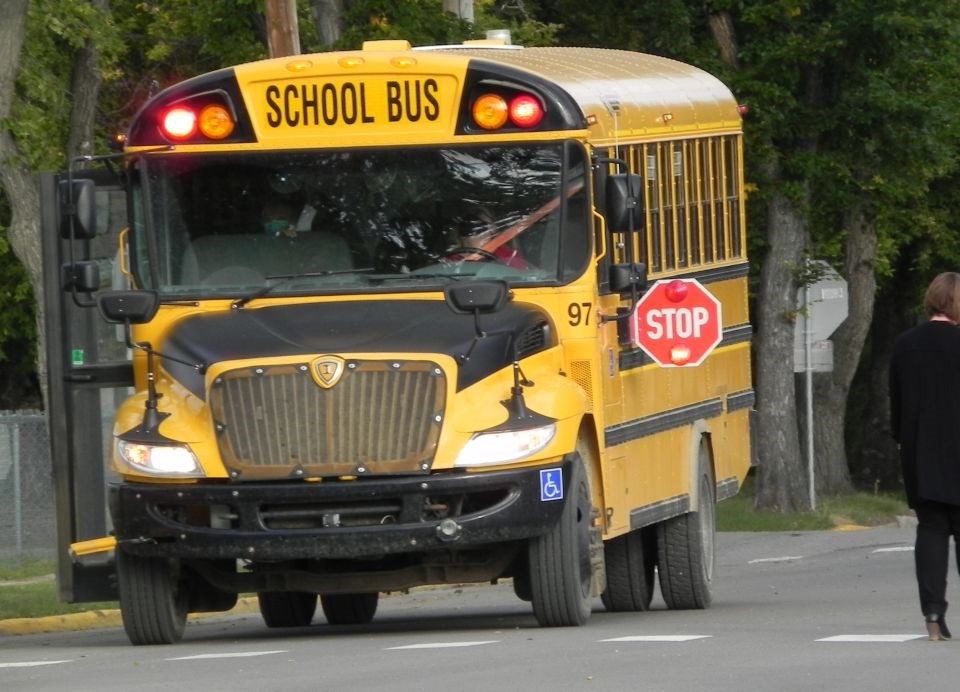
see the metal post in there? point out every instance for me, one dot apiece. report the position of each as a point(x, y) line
point(17, 494)
point(808, 347)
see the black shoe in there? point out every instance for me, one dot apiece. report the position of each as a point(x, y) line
point(937, 628)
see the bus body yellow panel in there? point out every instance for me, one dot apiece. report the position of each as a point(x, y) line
point(392, 346)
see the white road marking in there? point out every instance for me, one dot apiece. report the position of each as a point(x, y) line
point(898, 549)
point(235, 654)
point(31, 664)
point(785, 558)
point(898, 638)
point(659, 638)
point(440, 645)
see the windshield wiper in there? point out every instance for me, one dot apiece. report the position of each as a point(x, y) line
point(401, 277)
point(281, 279)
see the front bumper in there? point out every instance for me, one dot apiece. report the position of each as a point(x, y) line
point(363, 518)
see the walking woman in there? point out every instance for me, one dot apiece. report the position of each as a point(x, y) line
point(925, 420)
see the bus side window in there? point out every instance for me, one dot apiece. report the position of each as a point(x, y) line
point(577, 238)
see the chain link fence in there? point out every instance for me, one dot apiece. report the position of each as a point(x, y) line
point(27, 502)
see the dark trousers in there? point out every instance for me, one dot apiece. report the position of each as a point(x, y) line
point(936, 523)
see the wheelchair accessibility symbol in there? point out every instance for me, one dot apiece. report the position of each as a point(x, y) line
point(551, 485)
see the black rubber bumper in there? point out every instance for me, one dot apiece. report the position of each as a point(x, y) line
point(367, 517)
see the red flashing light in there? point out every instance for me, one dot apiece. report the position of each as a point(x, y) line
point(676, 291)
point(680, 354)
point(179, 123)
point(526, 111)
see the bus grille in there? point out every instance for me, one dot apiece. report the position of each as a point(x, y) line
point(381, 417)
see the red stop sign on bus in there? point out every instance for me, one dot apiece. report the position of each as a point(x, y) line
point(677, 322)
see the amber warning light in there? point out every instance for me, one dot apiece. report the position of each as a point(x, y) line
point(493, 111)
point(181, 123)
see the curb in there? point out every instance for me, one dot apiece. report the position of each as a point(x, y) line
point(99, 619)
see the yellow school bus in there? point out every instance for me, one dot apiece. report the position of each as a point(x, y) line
point(381, 310)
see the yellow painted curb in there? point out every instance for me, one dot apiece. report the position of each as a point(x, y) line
point(850, 527)
point(96, 619)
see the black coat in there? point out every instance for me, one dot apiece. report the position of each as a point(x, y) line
point(925, 410)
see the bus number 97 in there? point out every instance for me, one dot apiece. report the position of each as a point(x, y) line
point(579, 313)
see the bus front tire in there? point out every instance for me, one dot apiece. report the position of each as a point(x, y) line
point(560, 568)
point(686, 546)
point(153, 600)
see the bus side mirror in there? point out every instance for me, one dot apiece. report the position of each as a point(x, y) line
point(625, 277)
point(476, 296)
point(78, 209)
point(623, 202)
point(128, 307)
point(82, 277)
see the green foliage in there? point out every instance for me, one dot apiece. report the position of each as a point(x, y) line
point(17, 326)
point(422, 22)
point(525, 29)
point(184, 37)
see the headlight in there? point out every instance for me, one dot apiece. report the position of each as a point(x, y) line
point(159, 460)
point(487, 449)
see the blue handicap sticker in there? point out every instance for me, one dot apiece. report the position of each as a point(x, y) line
point(551, 485)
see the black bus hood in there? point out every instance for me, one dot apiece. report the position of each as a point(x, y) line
point(368, 326)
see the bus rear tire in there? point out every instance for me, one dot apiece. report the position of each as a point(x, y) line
point(686, 546)
point(153, 600)
point(560, 567)
point(349, 608)
point(630, 559)
point(287, 608)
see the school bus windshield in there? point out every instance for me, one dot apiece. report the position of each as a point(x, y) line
point(359, 220)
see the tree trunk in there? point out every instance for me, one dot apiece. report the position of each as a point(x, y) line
point(19, 183)
point(328, 17)
point(832, 390)
point(283, 34)
point(782, 476)
point(874, 457)
point(85, 90)
point(724, 35)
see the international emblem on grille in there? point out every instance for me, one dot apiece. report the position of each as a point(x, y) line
point(327, 371)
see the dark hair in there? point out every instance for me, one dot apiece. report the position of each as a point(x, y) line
point(943, 296)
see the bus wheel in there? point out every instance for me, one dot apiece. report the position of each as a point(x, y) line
point(687, 548)
point(349, 608)
point(287, 608)
point(630, 559)
point(153, 602)
point(560, 569)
